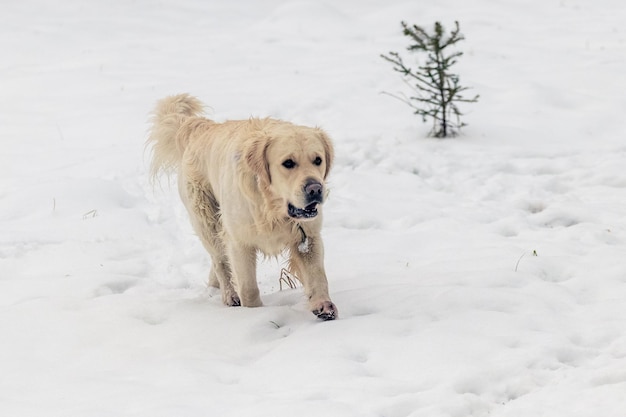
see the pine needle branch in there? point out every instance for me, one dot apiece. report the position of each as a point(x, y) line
point(437, 90)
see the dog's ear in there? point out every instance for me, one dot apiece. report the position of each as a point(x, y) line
point(328, 150)
point(256, 159)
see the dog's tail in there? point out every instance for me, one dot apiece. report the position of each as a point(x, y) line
point(167, 145)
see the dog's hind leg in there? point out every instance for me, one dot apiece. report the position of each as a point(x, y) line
point(220, 277)
point(243, 267)
point(204, 215)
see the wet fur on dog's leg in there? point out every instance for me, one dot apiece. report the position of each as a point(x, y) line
point(243, 266)
point(204, 215)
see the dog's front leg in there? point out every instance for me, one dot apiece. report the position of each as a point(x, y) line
point(242, 260)
point(307, 262)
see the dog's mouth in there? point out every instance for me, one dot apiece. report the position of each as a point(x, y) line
point(308, 212)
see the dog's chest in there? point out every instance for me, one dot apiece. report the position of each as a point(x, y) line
point(275, 242)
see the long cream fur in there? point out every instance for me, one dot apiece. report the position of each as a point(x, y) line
point(234, 182)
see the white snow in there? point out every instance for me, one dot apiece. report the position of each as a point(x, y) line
point(482, 275)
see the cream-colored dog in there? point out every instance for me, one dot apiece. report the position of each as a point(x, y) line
point(249, 186)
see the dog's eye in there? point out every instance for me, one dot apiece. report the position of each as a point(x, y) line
point(289, 163)
point(317, 161)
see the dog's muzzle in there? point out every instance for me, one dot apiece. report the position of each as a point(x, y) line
point(314, 192)
point(313, 195)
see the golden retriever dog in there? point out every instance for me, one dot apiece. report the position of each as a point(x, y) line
point(249, 186)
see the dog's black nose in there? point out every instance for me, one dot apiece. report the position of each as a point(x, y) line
point(314, 191)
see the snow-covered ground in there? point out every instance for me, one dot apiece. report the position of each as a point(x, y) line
point(479, 276)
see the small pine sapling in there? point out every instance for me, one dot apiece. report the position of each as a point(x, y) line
point(436, 90)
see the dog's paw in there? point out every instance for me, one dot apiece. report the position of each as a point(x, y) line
point(231, 300)
point(325, 310)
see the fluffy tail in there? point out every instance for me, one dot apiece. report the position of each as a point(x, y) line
point(168, 116)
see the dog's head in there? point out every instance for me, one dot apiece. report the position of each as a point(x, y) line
point(292, 162)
